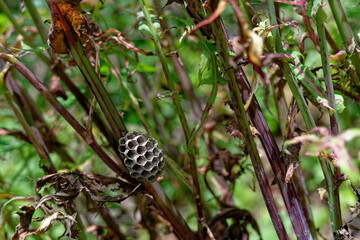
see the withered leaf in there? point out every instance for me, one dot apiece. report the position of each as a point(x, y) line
point(23, 228)
point(74, 17)
point(68, 186)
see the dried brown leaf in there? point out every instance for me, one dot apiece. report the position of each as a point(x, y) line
point(74, 16)
point(23, 228)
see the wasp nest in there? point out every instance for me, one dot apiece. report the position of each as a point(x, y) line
point(142, 156)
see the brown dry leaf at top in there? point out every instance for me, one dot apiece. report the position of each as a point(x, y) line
point(73, 14)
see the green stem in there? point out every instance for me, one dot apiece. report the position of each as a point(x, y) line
point(295, 89)
point(116, 121)
point(27, 40)
point(346, 33)
point(4, 8)
point(305, 111)
point(134, 101)
point(209, 104)
point(221, 42)
point(176, 100)
point(92, 78)
point(37, 19)
point(40, 148)
point(334, 199)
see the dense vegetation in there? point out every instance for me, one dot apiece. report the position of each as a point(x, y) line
point(255, 105)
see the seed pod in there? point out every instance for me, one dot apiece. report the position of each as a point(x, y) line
point(142, 156)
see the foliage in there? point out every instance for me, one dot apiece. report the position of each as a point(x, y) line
point(255, 105)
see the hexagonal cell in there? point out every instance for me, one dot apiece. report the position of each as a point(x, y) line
point(135, 175)
point(155, 161)
point(149, 155)
point(132, 144)
point(131, 135)
point(152, 178)
point(141, 149)
point(161, 165)
point(122, 140)
point(131, 154)
point(149, 145)
point(141, 139)
point(156, 151)
point(145, 174)
point(122, 148)
point(137, 167)
point(154, 170)
point(153, 141)
point(141, 160)
point(148, 166)
point(129, 162)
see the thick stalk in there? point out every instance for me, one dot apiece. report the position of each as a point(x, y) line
point(298, 177)
point(334, 199)
point(92, 78)
point(305, 111)
point(222, 42)
point(295, 89)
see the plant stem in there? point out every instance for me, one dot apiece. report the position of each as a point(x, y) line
point(56, 66)
point(177, 222)
point(116, 122)
point(30, 131)
point(37, 19)
point(27, 40)
point(241, 118)
point(177, 62)
point(295, 89)
point(346, 34)
point(335, 210)
point(89, 139)
point(176, 101)
point(302, 106)
point(92, 78)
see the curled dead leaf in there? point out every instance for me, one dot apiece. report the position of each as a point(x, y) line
point(290, 171)
point(74, 16)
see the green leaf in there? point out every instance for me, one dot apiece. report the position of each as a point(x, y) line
point(206, 71)
point(339, 103)
point(204, 66)
point(39, 49)
point(310, 82)
point(312, 7)
point(146, 68)
point(143, 27)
